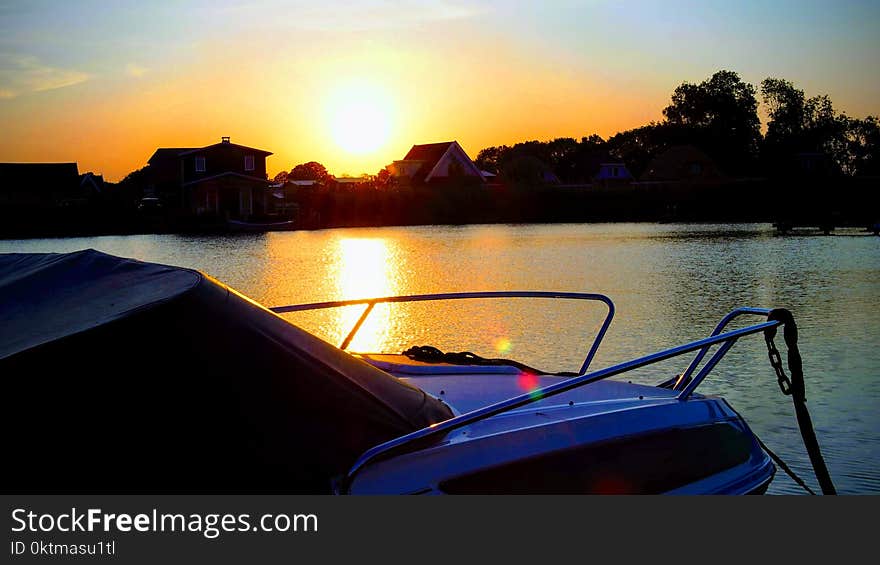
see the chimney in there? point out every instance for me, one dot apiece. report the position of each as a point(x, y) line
point(225, 139)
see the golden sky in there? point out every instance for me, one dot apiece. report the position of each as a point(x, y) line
point(353, 85)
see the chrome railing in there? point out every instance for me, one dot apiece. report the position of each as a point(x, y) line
point(684, 381)
point(371, 302)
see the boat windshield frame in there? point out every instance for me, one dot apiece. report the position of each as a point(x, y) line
point(370, 303)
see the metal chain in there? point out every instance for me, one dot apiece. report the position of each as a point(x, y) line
point(776, 363)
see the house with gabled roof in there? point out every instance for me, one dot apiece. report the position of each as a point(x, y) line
point(435, 163)
point(224, 179)
point(682, 163)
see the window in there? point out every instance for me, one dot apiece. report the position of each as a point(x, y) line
point(249, 162)
point(200, 164)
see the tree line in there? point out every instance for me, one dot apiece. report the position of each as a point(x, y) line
point(720, 117)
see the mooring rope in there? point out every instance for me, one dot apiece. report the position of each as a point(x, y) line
point(430, 354)
point(796, 389)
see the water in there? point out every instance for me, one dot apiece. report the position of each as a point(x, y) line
point(671, 283)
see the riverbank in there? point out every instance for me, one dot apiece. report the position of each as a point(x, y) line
point(818, 203)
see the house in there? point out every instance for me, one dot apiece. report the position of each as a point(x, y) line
point(91, 183)
point(347, 181)
point(224, 179)
point(435, 163)
point(682, 163)
point(40, 186)
point(304, 183)
point(612, 173)
point(813, 165)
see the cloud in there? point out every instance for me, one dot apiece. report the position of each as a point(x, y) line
point(365, 15)
point(23, 74)
point(135, 71)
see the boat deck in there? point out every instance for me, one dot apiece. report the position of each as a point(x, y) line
point(469, 387)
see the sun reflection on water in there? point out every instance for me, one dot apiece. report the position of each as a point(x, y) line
point(366, 268)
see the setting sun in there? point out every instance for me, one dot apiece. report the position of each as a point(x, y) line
point(359, 116)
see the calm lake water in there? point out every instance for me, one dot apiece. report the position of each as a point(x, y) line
point(671, 283)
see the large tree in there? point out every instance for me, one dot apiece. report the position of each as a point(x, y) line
point(638, 146)
point(863, 147)
point(571, 160)
point(492, 158)
point(580, 162)
point(720, 115)
point(310, 171)
point(803, 125)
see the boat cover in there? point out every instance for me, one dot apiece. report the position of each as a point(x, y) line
point(121, 375)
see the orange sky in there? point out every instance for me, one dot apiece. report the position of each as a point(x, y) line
point(295, 81)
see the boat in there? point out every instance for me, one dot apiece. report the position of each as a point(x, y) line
point(170, 381)
point(242, 226)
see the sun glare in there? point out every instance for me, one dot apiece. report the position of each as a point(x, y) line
point(366, 269)
point(360, 118)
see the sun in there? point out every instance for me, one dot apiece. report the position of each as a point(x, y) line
point(360, 117)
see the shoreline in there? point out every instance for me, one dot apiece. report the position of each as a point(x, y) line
point(798, 230)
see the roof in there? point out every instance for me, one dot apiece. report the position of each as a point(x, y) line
point(226, 144)
point(168, 152)
point(174, 152)
point(429, 155)
point(98, 339)
point(351, 180)
point(431, 152)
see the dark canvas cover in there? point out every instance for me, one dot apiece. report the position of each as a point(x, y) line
point(121, 375)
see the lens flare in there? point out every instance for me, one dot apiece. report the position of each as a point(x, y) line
point(527, 382)
point(503, 345)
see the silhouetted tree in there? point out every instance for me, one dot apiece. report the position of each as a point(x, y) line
point(785, 105)
point(492, 158)
point(310, 171)
point(132, 188)
point(636, 147)
point(384, 179)
point(803, 125)
point(582, 163)
point(525, 169)
point(281, 177)
point(863, 147)
point(720, 116)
